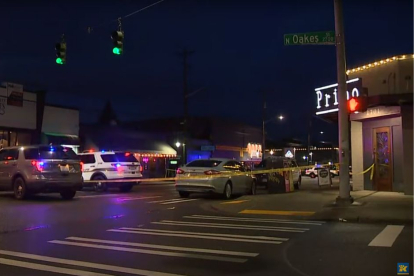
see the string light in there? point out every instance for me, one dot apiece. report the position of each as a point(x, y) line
point(377, 63)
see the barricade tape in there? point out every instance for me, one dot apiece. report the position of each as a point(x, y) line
point(371, 168)
point(222, 174)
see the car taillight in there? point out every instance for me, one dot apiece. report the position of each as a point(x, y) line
point(211, 172)
point(141, 169)
point(38, 165)
point(81, 166)
point(180, 171)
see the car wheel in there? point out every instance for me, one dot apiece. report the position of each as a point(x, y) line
point(68, 194)
point(19, 188)
point(253, 188)
point(184, 194)
point(125, 188)
point(312, 175)
point(227, 191)
point(99, 185)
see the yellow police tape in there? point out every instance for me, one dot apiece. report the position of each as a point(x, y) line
point(371, 168)
point(222, 174)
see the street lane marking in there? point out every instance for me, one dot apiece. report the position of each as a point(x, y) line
point(206, 236)
point(185, 200)
point(306, 222)
point(104, 195)
point(186, 249)
point(153, 252)
point(86, 264)
point(165, 200)
point(48, 268)
point(242, 225)
point(387, 236)
point(232, 226)
point(137, 198)
point(282, 213)
point(234, 202)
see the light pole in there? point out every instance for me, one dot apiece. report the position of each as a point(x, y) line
point(343, 120)
point(178, 145)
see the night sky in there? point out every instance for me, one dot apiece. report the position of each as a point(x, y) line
point(238, 46)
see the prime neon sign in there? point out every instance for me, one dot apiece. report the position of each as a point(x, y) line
point(327, 96)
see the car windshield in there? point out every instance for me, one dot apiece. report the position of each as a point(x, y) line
point(204, 163)
point(54, 152)
point(125, 157)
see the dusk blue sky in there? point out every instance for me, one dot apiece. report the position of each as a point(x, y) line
point(238, 48)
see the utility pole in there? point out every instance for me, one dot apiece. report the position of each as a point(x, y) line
point(309, 139)
point(263, 125)
point(185, 53)
point(343, 121)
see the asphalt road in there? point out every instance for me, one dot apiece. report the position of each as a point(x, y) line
point(151, 231)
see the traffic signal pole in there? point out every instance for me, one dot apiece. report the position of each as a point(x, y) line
point(344, 197)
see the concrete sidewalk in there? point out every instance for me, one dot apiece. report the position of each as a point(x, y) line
point(317, 204)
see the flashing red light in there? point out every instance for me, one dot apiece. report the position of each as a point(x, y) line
point(211, 172)
point(127, 154)
point(141, 169)
point(353, 104)
point(180, 171)
point(91, 150)
point(81, 165)
point(38, 165)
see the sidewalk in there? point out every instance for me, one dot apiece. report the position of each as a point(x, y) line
point(317, 204)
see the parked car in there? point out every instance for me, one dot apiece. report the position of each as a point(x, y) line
point(102, 165)
point(217, 175)
point(276, 162)
point(313, 172)
point(40, 169)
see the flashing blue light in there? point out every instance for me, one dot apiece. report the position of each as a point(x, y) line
point(41, 163)
point(118, 165)
point(52, 149)
point(102, 151)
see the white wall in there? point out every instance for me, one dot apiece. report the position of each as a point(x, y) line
point(18, 116)
point(357, 153)
point(380, 79)
point(60, 121)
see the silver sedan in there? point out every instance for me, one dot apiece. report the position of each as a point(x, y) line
point(217, 175)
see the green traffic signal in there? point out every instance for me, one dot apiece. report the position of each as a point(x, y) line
point(59, 60)
point(116, 51)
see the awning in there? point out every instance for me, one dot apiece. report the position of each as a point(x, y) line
point(60, 139)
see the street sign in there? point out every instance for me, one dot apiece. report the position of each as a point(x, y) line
point(316, 38)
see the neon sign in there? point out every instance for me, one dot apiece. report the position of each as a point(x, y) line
point(327, 96)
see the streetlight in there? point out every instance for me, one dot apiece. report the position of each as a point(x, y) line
point(271, 152)
point(178, 144)
point(264, 133)
point(321, 132)
point(310, 154)
point(281, 117)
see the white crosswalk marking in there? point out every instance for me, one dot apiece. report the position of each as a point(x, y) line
point(305, 222)
point(153, 252)
point(387, 236)
point(173, 201)
point(185, 249)
point(49, 268)
point(84, 264)
point(207, 236)
point(232, 226)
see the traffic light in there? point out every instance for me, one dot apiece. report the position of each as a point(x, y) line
point(118, 40)
point(61, 53)
point(357, 104)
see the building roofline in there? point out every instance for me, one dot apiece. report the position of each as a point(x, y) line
point(379, 63)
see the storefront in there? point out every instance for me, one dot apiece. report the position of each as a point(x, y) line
point(381, 137)
point(18, 114)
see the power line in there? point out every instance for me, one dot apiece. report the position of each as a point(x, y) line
point(90, 28)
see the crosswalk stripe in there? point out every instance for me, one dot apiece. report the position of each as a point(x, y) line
point(208, 234)
point(199, 250)
point(387, 236)
point(305, 222)
point(231, 226)
point(84, 264)
point(185, 200)
point(50, 268)
point(165, 200)
point(153, 252)
point(206, 237)
point(137, 198)
point(104, 195)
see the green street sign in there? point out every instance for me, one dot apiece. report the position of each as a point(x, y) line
point(316, 38)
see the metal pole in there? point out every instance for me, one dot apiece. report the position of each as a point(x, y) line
point(343, 121)
point(263, 126)
point(309, 139)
